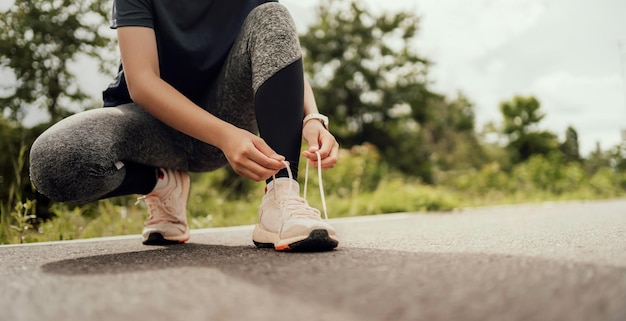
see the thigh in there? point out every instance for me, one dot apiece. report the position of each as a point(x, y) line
point(80, 158)
point(124, 133)
point(147, 140)
point(267, 43)
point(113, 134)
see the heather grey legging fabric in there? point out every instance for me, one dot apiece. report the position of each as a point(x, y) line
point(78, 159)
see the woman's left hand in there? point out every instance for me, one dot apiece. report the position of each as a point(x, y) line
point(320, 139)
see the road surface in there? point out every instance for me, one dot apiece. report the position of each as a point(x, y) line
point(558, 261)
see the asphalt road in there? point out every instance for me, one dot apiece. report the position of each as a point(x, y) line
point(561, 261)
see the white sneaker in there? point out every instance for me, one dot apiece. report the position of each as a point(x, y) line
point(167, 206)
point(287, 222)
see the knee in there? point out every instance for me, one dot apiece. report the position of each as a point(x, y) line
point(49, 166)
point(271, 11)
point(274, 39)
point(272, 22)
point(62, 168)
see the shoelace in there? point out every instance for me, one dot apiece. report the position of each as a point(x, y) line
point(306, 181)
point(319, 178)
point(157, 206)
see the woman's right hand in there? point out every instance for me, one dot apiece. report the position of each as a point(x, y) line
point(250, 156)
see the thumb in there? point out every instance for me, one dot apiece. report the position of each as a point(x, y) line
point(312, 141)
point(264, 148)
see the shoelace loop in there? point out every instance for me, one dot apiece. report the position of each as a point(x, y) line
point(156, 205)
point(312, 211)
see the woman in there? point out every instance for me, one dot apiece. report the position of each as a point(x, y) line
point(198, 80)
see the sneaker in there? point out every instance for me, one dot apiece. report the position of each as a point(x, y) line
point(288, 223)
point(167, 206)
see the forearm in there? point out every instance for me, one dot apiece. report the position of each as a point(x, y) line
point(138, 49)
point(171, 107)
point(310, 106)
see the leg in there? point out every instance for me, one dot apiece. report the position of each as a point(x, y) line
point(107, 152)
point(279, 106)
point(264, 70)
point(116, 151)
point(261, 87)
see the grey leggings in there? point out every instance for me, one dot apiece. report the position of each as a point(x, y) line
point(80, 158)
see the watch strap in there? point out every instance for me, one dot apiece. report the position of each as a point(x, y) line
point(323, 119)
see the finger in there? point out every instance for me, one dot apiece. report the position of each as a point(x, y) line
point(315, 141)
point(313, 148)
point(331, 160)
point(261, 163)
point(264, 148)
point(265, 156)
point(314, 145)
point(327, 162)
point(254, 171)
point(311, 157)
point(328, 142)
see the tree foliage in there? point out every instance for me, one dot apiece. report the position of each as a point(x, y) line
point(451, 137)
point(38, 41)
point(370, 80)
point(14, 179)
point(570, 147)
point(521, 117)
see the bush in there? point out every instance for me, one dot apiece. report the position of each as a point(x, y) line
point(360, 184)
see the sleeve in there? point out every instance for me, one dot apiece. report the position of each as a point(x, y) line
point(132, 13)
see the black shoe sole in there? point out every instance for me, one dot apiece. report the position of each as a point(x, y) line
point(317, 241)
point(158, 239)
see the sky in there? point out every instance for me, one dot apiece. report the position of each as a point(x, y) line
point(564, 52)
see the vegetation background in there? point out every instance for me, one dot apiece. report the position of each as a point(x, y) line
point(405, 148)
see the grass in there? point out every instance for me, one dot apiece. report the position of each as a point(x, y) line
point(359, 185)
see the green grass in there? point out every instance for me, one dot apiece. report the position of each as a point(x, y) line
point(359, 185)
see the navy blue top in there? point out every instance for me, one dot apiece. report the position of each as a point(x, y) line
point(193, 40)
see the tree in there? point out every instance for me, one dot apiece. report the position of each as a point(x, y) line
point(570, 147)
point(371, 82)
point(451, 137)
point(618, 158)
point(521, 117)
point(38, 41)
point(596, 160)
point(15, 185)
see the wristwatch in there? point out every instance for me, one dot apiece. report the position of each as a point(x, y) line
point(319, 117)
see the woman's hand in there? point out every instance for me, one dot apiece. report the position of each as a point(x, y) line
point(320, 139)
point(250, 156)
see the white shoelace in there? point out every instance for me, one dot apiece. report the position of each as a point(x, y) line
point(306, 180)
point(161, 211)
point(319, 178)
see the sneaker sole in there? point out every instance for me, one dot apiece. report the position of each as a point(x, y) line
point(316, 241)
point(156, 238)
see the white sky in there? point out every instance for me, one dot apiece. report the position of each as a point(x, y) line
point(563, 52)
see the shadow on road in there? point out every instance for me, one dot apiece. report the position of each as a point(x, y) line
point(394, 285)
